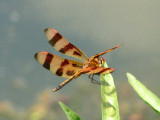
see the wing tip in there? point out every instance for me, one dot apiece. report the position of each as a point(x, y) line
point(50, 33)
point(45, 30)
point(36, 56)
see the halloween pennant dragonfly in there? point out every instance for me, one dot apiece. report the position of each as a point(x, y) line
point(70, 69)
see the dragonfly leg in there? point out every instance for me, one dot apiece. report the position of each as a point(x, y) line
point(91, 76)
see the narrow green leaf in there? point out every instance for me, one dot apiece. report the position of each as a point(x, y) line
point(69, 113)
point(146, 95)
point(110, 109)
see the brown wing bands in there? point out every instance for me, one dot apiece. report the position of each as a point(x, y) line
point(58, 42)
point(58, 65)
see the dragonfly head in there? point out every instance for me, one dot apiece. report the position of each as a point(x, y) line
point(101, 61)
point(97, 61)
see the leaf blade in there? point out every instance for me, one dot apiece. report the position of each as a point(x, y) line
point(69, 113)
point(110, 109)
point(144, 93)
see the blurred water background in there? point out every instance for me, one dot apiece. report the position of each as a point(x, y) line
point(91, 25)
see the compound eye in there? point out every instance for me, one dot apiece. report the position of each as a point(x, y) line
point(101, 60)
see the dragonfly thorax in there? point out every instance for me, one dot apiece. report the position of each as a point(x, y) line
point(96, 62)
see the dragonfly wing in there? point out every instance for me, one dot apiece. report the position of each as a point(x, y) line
point(58, 42)
point(58, 65)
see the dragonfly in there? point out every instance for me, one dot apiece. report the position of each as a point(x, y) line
point(67, 68)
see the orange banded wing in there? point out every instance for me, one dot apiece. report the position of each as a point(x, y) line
point(58, 42)
point(58, 65)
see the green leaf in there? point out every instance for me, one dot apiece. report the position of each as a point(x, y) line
point(69, 113)
point(110, 109)
point(146, 95)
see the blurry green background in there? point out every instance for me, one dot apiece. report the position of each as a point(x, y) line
point(91, 25)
